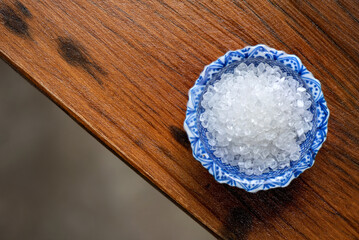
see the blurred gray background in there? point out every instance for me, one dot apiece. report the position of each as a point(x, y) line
point(58, 182)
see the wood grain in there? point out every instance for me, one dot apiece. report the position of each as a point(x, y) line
point(122, 70)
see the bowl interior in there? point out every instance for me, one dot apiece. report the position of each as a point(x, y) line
point(305, 146)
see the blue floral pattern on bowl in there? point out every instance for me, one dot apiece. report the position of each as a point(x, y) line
point(253, 183)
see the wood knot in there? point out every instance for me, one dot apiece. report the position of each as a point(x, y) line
point(14, 21)
point(76, 55)
point(180, 136)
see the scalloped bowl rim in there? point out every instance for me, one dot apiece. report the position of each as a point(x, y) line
point(285, 177)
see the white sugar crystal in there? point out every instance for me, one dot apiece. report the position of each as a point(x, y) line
point(256, 118)
point(300, 103)
point(301, 89)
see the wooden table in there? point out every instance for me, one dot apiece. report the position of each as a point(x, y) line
point(122, 70)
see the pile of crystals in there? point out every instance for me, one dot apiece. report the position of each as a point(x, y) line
point(256, 118)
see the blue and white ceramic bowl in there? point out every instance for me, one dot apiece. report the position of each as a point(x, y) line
point(202, 151)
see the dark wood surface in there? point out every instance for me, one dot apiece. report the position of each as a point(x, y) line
point(122, 70)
